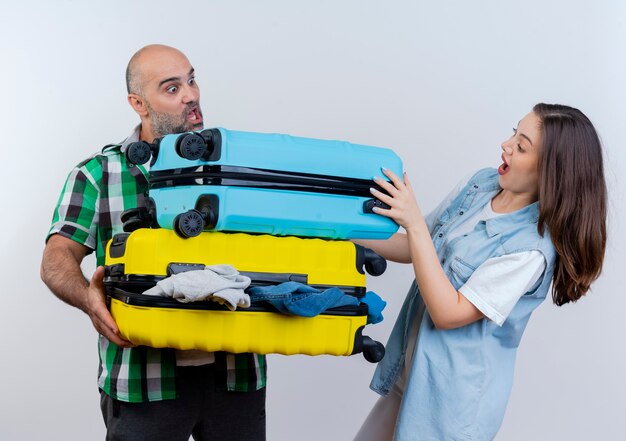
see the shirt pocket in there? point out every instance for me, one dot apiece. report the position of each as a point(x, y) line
point(460, 272)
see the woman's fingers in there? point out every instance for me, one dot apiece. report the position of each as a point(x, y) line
point(397, 182)
point(394, 191)
point(407, 184)
point(387, 212)
point(386, 185)
point(403, 207)
point(382, 196)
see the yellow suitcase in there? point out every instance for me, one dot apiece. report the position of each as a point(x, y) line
point(147, 255)
point(136, 261)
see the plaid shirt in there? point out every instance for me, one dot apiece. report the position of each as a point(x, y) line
point(96, 192)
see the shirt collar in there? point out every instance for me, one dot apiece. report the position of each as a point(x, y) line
point(133, 137)
point(529, 214)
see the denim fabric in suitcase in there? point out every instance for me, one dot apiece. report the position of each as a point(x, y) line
point(136, 261)
point(276, 184)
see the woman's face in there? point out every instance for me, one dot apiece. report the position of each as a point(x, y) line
point(520, 157)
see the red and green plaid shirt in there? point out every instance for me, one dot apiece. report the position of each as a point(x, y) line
point(96, 192)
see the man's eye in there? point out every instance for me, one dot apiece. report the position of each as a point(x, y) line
point(191, 81)
point(172, 89)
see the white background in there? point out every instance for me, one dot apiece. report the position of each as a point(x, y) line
point(442, 83)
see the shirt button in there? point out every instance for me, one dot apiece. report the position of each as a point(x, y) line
point(440, 234)
point(475, 186)
point(461, 213)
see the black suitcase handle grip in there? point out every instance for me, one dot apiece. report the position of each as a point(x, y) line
point(371, 203)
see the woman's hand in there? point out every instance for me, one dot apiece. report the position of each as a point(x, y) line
point(401, 200)
point(447, 307)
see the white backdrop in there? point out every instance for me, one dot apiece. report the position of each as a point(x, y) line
point(442, 83)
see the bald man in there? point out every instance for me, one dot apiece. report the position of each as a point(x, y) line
point(146, 393)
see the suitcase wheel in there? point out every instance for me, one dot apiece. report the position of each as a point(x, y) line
point(130, 214)
point(136, 218)
point(373, 351)
point(138, 152)
point(134, 224)
point(189, 224)
point(374, 264)
point(191, 146)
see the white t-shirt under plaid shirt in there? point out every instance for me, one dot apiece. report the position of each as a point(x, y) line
point(95, 193)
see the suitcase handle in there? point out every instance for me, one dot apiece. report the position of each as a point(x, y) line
point(258, 278)
point(371, 203)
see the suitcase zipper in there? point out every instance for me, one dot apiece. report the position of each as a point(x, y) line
point(259, 178)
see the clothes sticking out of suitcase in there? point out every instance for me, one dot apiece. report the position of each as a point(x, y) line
point(278, 209)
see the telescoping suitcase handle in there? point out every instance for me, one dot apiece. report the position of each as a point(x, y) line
point(205, 145)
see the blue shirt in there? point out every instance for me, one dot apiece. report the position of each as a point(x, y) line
point(460, 379)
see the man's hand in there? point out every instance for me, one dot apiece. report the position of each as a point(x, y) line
point(60, 271)
point(96, 309)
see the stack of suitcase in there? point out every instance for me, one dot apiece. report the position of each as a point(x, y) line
point(277, 208)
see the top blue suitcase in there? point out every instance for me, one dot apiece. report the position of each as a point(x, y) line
point(227, 180)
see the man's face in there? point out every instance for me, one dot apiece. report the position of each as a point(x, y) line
point(171, 93)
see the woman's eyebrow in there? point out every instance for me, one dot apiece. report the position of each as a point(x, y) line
point(527, 138)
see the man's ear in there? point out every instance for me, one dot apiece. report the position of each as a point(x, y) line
point(138, 104)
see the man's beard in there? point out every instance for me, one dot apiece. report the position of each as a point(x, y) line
point(165, 123)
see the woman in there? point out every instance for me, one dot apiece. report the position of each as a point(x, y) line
point(483, 261)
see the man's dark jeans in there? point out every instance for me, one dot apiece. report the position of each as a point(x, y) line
point(199, 411)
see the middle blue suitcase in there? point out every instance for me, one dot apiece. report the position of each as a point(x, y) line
point(227, 180)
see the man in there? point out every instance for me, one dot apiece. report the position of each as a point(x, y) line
point(147, 393)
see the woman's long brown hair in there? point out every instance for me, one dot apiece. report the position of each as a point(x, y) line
point(572, 199)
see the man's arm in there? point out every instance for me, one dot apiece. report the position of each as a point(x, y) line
point(60, 271)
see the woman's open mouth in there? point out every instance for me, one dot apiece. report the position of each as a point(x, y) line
point(504, 168)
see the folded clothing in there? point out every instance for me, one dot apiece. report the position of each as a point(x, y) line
point(220, 283)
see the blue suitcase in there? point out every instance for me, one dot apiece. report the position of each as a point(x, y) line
point(275, 184)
